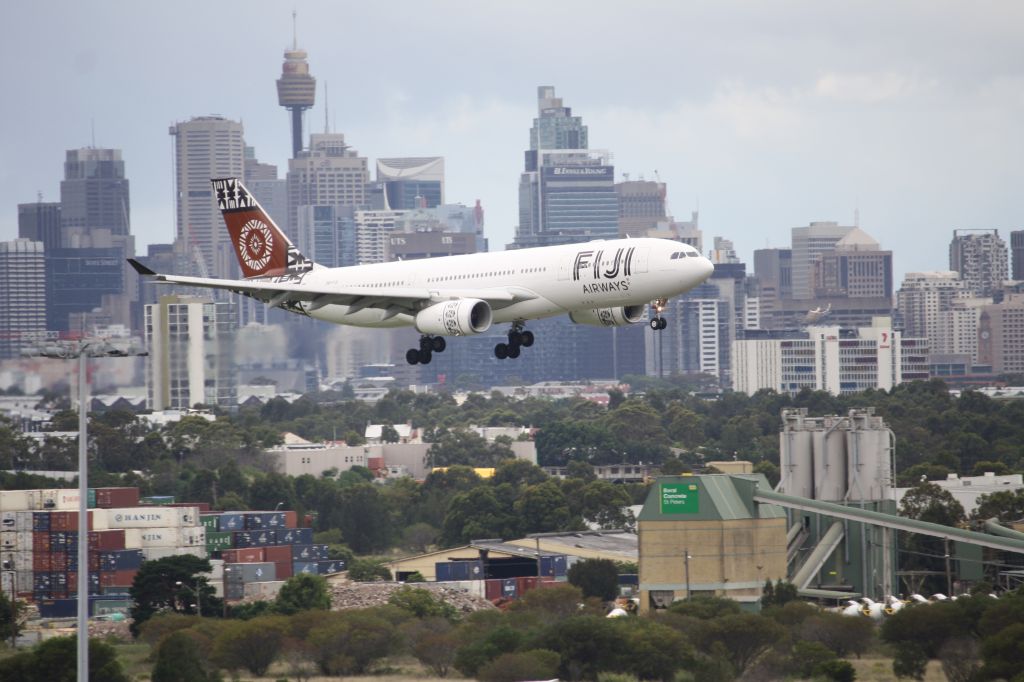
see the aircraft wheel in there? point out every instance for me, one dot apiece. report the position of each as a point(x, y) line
point(513, 351)
point(412, 356)
point(515, 338)
point(662, 323)
point(425, 357)
point(439, 344)
point(501, 351)
point(655, 323)
point(527, 339)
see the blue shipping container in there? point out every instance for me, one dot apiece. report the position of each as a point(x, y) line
point(264, 520)
point(553, 566)
point(230, 521)
point(303, 553)
point(303, 536)
point(40, 520)
point(305, 567)
point(332, 566)
point(254, 538)
point(321, 552)
point(443, 571)
point(121, 560)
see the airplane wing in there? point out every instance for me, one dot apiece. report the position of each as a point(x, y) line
point(282, 293)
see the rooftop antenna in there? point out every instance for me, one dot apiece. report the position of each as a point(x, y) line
point(92, 124)
point(327, 108)
point(295, 32)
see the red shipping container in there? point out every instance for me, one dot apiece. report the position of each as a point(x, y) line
point(66, 520)
point(41, 541)
point(42, 562)
point(248, 555)
point(108, 498)
point(291, 519)
point(94, 562)
point(525, 583)
point(117, 578)
point(106, 540)
point(278, 553)
point(283, 569)
point(492, 589)
point(59, 562)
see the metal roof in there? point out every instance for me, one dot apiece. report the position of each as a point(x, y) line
point(718, 498)
point(617, 545)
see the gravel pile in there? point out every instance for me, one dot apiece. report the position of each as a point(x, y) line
point(346, 594)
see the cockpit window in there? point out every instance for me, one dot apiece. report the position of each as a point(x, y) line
point(675, 255)
point(693, 254)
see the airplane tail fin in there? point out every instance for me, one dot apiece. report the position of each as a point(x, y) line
point(262, 248)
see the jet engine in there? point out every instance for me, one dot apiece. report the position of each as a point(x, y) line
point(608, 317)
point(460, 317)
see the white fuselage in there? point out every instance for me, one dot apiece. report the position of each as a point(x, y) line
point(553, 280)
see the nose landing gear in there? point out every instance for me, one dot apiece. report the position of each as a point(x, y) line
point(518, 338)
point(425, 353)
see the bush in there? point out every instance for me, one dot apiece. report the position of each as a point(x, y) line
point(178, 661)
point(536, 664)
point(305, 592)
point(422, 603)
point(57, 659)
point(910, 661)
point(705, 607)
point(154, 630)
point(349, 642)
point(837, 670)
point(367, 570)
point(252, 644)
point(596, 578)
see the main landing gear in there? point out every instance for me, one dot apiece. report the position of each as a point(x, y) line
point(518, 338)
point(425, 353)
point(658, 322)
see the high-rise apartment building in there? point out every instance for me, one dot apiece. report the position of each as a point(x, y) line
point(922, 299)
point(566, 192)
point(1017, 255)
point(773, 269)
point(981, 259)
point(191, 343)
point(840, 361)
point(41, 222)
point(205, 147)
point(94, 193)
point(809, 243)
point(22, 294)
point(641, 206)
point(410, 183)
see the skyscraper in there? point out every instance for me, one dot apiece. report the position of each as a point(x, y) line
point(981, 259)
point(808, 244)
point(94, 194)
point(40, 221)
point(773, 269)
point(1017, 255)
point(296, 88)
point(22, 293)
point(922, 299)
point(641, 206)
point(567, 191)
point(205, 147)
point(79, 280)
point(409, 183)
point(329, 173)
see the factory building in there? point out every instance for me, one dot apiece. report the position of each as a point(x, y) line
point(703, 535)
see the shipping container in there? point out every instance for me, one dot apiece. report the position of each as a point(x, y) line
point(303, 553)
point(231, 521)
point(148, 517)
point(492, 589)
point(8, 520)
point(443, 571)
point(105, 540)
point(193, 536)
point(67, 499)
point(509, 588)
point(300, 567)
point(327, 567)
point(9, 541)
point(157, 499)
point(160, 537)
point(211, 522)
point(23, 581)
point(14, 500)
point(40, 520)
point(24, 522)
point(105, 607)
point(291, 519)
point(265, 520)
point(234, 591)
point(244, 555)
point(255, 538)
point(295, 536)
point(277, 553)
point(154, 553)
point(42, 561)
point(187, 516)
point(553, 565)
point(41, 541)
point(108, 498)
point(121, 560)
point(247, 573)
point(217, 541)
point(119, 578)
point(283, 569)
point(526, 583)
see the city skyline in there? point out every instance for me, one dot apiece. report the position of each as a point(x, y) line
point(912, 108)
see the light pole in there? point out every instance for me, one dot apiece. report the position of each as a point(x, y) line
point(686, 564)
point(195, 591)
point(83, 349)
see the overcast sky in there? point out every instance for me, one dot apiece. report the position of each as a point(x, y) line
point(765, 115)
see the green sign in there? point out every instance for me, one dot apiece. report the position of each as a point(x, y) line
point(679, 498)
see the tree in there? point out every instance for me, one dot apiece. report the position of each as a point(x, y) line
point(56, 660)
point(350, 641)
point(158, 586)
point(475, 514)
point(303, 592)
point(178, 661)
point(433, 643)
point(960, 658)
point(419, 536)
point(910, 660)
point(745, 636)
point(12, 614)
point(554, 603)
point(607, 505)
point(421, 603)
point(656, 651)
point(1004, 505)
point(1003, 653)
point(542, 508)
point(595, 578)
point(251, 644)
point(535, 664)
point(389, 434)
point(367, 570)
point(586, 644)
point(705, 607)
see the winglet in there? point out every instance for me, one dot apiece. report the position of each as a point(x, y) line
point(140, 268)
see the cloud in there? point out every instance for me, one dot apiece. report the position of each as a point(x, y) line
point(871, 88)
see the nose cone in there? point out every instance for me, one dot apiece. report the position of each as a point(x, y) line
point(707, 267)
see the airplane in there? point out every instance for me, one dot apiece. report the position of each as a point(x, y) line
point(605, 283)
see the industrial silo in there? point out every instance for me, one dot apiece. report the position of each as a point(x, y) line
point(869, 457)
point(795, 455)
point(829, 444)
